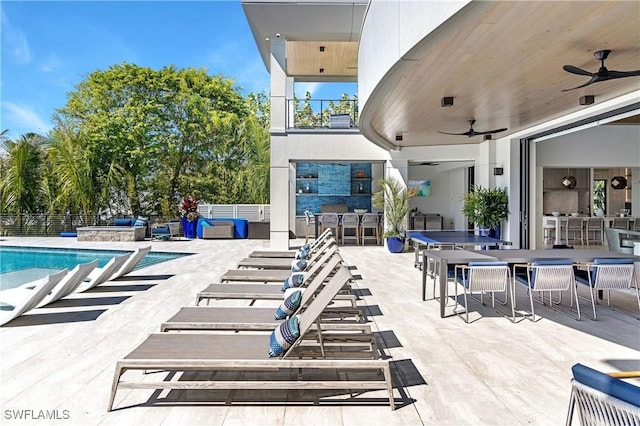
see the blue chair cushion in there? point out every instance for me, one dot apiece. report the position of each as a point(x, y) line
point(283, 337)
point(290, 305)
point(465, 281)
point(585, 279)
point(612, 386)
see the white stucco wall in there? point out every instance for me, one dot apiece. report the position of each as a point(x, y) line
point(405, 23)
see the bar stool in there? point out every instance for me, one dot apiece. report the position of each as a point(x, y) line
point(351, 221)
point(369, 221)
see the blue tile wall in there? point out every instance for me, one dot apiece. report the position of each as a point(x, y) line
point(334, 179)
point(336, 183)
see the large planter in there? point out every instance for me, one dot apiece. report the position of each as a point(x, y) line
point(189, 228)
point(395, 244)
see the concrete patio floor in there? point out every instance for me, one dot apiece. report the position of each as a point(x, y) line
point(59, 361)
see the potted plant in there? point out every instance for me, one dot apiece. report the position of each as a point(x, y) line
point(487, 208)
point(394, 200)
point(189, 213)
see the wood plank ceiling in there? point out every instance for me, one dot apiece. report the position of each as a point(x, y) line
point(502, 64)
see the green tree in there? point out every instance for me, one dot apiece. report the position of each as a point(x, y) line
point(19, 181)
point(163, 128)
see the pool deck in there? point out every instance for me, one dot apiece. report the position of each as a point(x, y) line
point(59, 361)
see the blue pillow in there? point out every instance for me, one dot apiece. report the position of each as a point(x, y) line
point(302, 254)
point(289, 305)
point(295, 280)
point(283, 337)
point(141, 221)
point(298, 265)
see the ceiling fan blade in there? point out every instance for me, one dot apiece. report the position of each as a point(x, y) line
point(622, 74)
point(489, 132)
point(576, 70)
point(454, 134)
point(593, 80)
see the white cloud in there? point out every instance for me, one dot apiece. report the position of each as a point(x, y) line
point(51, 64)
point(14, 42)
point(23, 117)
point(301, 89)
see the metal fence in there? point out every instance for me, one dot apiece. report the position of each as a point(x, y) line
point(46, 225)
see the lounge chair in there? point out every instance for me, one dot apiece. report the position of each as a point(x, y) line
point(25, 300)
point(259, 291)
point(269, 275)
point(281, 263)
point(104, 274)
point(254, 318)
point(67, 285)
point(131, 262)
point(246, 354)
point(292, 253)
point(603, 399)
point(70, 282)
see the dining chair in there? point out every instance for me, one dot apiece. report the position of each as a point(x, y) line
point(610, 274)
point(351, 221)
point(546, 275)
point(620, 223)
point(574, 228)
point(369, 221)
point(330, 221)
point(594, 227)
point(310, 221)
point(481, 278)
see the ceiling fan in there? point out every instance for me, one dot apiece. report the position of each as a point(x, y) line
point(471, 132)
point(603, 73)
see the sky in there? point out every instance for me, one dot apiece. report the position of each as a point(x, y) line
point(48, 47)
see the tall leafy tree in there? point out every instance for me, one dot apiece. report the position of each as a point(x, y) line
point(19, 181)
point(163, 128)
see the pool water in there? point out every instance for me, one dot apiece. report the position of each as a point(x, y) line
point(20, 265)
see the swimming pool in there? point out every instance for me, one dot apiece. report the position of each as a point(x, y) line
point(19, 265)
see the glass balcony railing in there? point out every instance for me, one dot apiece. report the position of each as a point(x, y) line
point(322, 113)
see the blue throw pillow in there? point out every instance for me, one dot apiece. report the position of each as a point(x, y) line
point(141, 221)
point(298, 265)
point(283, 337)
point(289, 305)
point(295, 280)
point(302, 254)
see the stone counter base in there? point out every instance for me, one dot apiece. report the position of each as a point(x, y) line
point(111, 233)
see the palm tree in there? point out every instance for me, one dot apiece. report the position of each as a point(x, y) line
point(71, 165)
point(19, 182)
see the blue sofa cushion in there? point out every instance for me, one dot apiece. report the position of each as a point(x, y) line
point(124, 221)
point(617, 388)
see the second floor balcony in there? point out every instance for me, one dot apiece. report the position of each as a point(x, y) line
point(318, 114)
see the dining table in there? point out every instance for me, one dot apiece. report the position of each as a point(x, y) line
point(511, 256)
